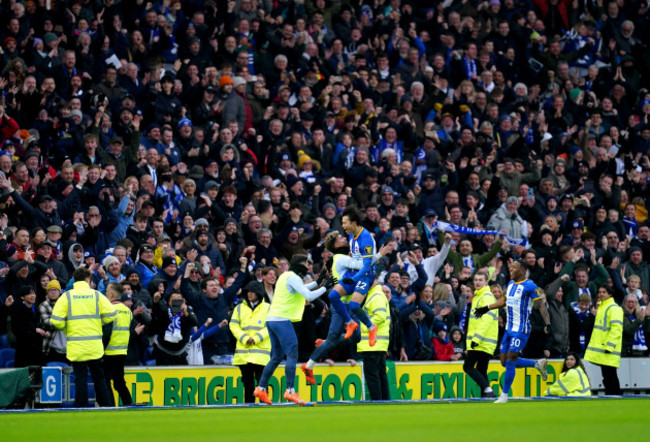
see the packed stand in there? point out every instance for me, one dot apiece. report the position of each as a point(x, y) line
point(188, 149)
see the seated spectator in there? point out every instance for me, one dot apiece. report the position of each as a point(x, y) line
point(572, 380)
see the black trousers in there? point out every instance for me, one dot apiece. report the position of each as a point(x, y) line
point(249, 374)
point(374, 370)
point(610, 380)
point(80, 370)
point(476, 365)
point(114, 371)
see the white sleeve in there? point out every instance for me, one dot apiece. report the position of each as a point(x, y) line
point(295, 284)
point(346, 263)
point(312, 285)
point(432, 265)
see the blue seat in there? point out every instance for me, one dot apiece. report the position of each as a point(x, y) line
point(7, 355)
point(56, 364)
point(4, 341)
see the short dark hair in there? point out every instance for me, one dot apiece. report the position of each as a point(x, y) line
point(298, 259)
point(204, 283)
point(81, 274)
point(353, 214)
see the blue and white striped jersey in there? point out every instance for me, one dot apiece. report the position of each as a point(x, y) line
point(519, 303)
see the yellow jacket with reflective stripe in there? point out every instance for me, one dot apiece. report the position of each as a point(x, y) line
point(286, 304)
point(607, 338)
point(119, 343)
point(573, 382)
point(379, 313)
point(251, 323)
point(483, 330)
point(81, 312)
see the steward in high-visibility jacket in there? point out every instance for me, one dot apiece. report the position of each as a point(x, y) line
point(606, 340)
point(80, 312)
point(119, 333)
point(248, 323)
point(120, 330)
point(483, 332)
point(248, 326)
point(572, 382)
point(374, 358)
point(378, 310)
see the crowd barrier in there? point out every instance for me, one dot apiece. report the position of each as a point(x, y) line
point(211, 385)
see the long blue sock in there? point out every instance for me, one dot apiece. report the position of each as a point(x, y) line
point(509, 376)
point(355, 307)
point(337, 304)
point(525, 363)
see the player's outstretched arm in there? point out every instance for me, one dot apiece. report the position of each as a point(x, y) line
point(540, 305)
point(494, 306)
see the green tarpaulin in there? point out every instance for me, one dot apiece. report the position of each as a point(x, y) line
point(14, 386)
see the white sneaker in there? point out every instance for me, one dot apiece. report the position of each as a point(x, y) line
point(540, 365)
point(503, 398)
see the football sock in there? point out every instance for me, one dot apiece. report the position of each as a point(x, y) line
point(525, 363)
point(355, 307)
point(337, 304)
point(509, 376)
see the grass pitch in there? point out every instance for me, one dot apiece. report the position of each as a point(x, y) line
point(551, 420)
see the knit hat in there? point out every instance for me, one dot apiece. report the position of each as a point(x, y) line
point(54, 284)
point(184, 122)
point(49, 37)
point(439, 326)
point(110, 259)
point(237, 81)
point(573, 93)
point(302, 159)
point(224, 80)
point(167, 261)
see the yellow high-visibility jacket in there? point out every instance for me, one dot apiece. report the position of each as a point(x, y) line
point(249, 323)
point(119, 343)
point(81, 312)
point(379, 313)
point(573, 382)
point(607, 338)
point(484, 330)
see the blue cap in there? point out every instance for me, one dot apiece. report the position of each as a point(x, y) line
point(184, 122)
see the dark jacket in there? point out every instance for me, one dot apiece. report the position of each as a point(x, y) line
point(218, 308)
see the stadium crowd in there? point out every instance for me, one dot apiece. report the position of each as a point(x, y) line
point(138, 137)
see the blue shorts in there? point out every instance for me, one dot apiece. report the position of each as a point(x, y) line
point(365, 283)
point(513, 342)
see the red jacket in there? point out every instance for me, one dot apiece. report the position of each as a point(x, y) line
point(8, 126)
point(443, 352)
point(562, 8)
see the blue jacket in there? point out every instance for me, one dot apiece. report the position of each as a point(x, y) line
point(123, 223)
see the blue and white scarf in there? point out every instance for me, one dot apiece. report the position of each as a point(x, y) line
point(173, 332)
point(638, 342)
point(447, 227)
